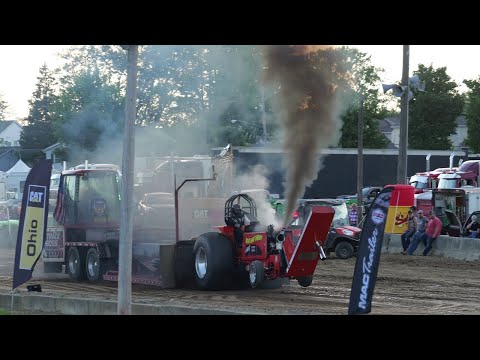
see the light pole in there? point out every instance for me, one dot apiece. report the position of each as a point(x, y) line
point(264, 123)
point(360, 160)
point(403, 143)
point(124, 301)
point(406, 95)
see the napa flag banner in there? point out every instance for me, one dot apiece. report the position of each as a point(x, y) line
point(32, 225)
point(368, 256)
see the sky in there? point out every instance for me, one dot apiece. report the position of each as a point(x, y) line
point(19, 66)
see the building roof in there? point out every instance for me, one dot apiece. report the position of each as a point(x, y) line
point(51, 147)
point(19, 167)
point(6, 123)
point(386, 125)
point(5, 150)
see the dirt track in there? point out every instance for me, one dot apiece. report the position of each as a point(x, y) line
point(405, 285)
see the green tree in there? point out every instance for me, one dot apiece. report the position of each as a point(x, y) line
point(89, 112)
point(199, 89)
point(3, 108)
point(472, 113)
point(360, 78)
point(239, 103)
point(38, 134)
point(432, 113)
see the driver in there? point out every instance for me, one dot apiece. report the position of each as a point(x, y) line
point(238, 221)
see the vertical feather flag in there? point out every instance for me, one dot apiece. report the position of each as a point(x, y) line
point(32, 227)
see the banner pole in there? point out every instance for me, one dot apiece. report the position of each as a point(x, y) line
point(11, 304)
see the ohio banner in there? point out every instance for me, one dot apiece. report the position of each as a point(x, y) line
point(368, 256)
point(32, 226)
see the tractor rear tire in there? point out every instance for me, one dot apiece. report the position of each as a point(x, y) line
point(344, 250)
point(75, 264)
point(213, 254)
point(256, 274)
point(305, 281)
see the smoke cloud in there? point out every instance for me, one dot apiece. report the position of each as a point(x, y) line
point(255, 182)
point(305, 102)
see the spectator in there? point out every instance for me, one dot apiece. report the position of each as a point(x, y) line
point(421, 226)
point(412, 228)
point(353, 215)
point(433, 231)
point(472, 227)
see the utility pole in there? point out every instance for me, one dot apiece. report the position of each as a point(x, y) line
point(360, 160)
point(124, 301)
point(264, 123)
point(403, 144)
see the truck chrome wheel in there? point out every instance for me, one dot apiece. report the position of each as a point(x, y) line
point(94, 267)
point(73, 265)
point(201, 263)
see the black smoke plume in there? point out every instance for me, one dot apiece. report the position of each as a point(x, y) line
point(304, 80)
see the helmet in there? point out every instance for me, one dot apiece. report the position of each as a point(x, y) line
point(236, 209)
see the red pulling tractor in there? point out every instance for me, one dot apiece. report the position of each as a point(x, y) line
point(248, 248)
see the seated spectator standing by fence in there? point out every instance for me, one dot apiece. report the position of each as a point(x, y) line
point(353, 215)
point(472, 228)
point(421, 226)
point(433, 231)
point(412, 228)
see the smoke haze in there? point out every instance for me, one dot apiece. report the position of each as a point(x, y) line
point(305, 104)
point(256, 179)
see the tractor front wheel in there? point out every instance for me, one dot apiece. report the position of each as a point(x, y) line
point(256, 274)
point(305, 281)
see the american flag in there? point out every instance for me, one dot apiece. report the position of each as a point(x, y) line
point(59, 213)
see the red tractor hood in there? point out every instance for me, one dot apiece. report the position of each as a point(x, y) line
point(356, 231)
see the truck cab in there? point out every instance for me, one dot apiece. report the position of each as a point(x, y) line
point(85, 221)
point(465, 175)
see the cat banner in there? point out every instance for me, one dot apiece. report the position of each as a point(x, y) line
point(32, 225)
